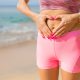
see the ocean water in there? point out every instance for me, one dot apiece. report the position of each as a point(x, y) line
point(15, 26)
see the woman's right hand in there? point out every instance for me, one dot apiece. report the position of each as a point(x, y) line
point(42, 26)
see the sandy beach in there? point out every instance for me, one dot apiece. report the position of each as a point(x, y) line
point(18, 62)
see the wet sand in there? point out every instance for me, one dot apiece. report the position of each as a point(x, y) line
point(18, 61)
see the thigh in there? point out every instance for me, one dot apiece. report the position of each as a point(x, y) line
point(45, 54)
point(49, 74)
point(70, 76)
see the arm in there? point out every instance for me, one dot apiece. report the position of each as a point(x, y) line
point(37, 18)
point(25, 9)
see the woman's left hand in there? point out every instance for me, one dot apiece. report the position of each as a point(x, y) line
point(68, 22)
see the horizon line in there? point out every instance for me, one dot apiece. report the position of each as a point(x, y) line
point(14, 5)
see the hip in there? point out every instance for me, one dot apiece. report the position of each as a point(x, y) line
point(72, 35)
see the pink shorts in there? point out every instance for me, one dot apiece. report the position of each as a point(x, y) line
point(63, 51)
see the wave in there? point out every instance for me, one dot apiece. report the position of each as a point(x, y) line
point(10, 39)
point(16, 27)
point(17, 33)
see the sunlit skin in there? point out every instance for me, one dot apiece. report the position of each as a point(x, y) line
point(61, 26)
point(39, 19)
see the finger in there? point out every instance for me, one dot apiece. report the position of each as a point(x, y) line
point(43, 30)
point(64, 29)
point(40, 30)
point(42, 34)
point(57, 28)
point(72, 28)
point(59, 31)
point(46, 31)
point(44, 27)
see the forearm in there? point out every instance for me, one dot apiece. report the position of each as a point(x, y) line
point(25, 9)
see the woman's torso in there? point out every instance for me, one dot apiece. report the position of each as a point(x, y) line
point(55, 11)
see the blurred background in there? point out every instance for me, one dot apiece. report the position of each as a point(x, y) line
point(18, 34)
point(13, 21)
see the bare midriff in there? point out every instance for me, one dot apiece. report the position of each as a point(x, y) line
point(55, 23)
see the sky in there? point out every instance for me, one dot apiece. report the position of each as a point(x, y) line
point(14, 2)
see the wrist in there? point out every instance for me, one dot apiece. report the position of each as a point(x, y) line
point(78, 15)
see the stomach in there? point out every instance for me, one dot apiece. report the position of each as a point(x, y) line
point(55, 23)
